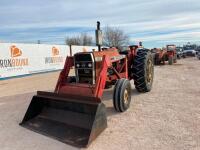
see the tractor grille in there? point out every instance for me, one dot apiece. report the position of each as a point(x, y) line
point(84, 68)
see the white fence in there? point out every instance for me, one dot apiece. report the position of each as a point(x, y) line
point(23, 59)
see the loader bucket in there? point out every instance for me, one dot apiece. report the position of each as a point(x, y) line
point(70, 119)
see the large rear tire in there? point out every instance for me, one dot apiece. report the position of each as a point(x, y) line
point(122, 95)
point(143, 70)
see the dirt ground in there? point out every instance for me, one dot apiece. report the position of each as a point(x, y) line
point(166, 118)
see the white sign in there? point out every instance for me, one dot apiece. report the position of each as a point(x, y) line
point(22, 59)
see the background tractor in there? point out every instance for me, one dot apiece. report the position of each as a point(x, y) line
point(74, 112)
point(171, 54)
point(160, 56)
point(165, 54)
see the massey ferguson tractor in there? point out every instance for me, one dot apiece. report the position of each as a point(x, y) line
point(74, 112)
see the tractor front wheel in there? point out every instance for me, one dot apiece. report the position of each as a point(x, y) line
point(175, 58)
point(122, 95)
point(170, 61)
point(143, 70)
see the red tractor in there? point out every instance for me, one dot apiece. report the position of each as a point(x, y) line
point(165, 54)
point(160, 56)
point(74, 112)
point(172, 54)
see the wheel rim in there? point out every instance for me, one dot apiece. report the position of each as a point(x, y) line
point(126, 96)
point(149, 71)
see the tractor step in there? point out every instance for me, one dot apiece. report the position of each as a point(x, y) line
point(73, 121)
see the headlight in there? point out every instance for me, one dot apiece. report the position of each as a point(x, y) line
point(77, 65)
point(89, 65)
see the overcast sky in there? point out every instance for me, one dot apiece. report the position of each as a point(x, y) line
point(155, 22)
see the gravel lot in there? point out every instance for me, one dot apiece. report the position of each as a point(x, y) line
point(166, 118)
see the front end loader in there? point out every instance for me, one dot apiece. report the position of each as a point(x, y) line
point(74, 112)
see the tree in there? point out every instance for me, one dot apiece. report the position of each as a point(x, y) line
point(84, 39)
point(114, 37)
point(73, 40)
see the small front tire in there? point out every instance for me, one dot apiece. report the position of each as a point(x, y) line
point(170, 61)
point(175, 58)
point(122, 95)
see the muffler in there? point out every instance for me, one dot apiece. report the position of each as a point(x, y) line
point(70, 119)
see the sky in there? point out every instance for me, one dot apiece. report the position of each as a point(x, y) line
point(154, 22)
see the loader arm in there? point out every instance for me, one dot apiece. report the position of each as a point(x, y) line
point(85, 90)
point(102, 77)
point(69, 62)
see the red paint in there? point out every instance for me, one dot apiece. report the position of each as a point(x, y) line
point(96, 90)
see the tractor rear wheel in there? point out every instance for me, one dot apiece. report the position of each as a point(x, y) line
point(143, 70)
point(122, 95)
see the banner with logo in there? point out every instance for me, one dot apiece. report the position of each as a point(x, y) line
point(22, 59)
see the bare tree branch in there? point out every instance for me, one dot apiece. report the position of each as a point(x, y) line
point(73, 40)
point(115, 37)
point(84, 39)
